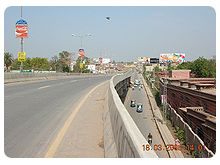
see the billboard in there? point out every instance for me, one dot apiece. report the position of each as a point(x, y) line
point(81, 53)
point(21, 30)
point(154, 60)
point(172, 57)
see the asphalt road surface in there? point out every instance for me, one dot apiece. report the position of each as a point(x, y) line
point(144, 120)
point(34, 112)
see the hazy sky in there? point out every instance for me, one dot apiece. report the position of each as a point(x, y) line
point(131, 32)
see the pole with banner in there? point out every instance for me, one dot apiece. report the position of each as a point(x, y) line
point(81, 56)
point(21, 32)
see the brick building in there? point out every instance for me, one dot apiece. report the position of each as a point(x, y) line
point(202, 123)
point(193, 92)
point(180, 74)
point(195, 100)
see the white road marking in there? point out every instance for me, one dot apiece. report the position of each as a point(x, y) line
point(44, 87)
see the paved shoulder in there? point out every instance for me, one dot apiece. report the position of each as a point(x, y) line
point(84, 137)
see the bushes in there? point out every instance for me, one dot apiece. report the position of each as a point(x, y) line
point(157, 98)
point(180, 133)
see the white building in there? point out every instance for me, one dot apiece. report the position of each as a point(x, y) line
point(92, 68)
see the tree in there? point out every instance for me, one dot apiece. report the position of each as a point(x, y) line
point(65, 60)
point(201, 67)
point(170, 67)
point(157, 69)
point(8, 60)
point(27, 64)
point(204, 68)
point(16, 64)
point(55, 63)
point(184, 65)
point(40, 63)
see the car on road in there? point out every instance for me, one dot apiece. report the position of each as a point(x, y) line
point(137, 82)
point(133, 103)
point(139, 108)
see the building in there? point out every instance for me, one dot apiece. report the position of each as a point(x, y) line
point(92, 68)
point(143, 60)
point(180, 74)
point(194, 99)
point(202, 123)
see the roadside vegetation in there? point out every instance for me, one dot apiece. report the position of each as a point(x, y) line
point(58, 63)
point(201, 67)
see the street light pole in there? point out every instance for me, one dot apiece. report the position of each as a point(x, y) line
point(81, 38)
point(81, 43)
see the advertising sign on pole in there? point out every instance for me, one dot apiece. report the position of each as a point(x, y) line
point(81, 65)
point(81, 53)
point(21, 29)
point(21, 56)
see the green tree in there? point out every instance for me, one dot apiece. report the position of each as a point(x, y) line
point(16, 64)
point(40, 64)
point(55, 63)
point(8, 60)
point(184, 65)
point(157, 69)
point(27, 64)
point(83, 69)
point(65, 60)
point(76, 67)
point(169, 68)
point(204, 68)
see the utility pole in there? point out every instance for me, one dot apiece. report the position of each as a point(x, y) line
point(165, 98)
point(22, 46)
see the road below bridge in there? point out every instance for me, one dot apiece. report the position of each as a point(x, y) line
point(145, 120)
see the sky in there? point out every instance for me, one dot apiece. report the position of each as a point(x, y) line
point(131, 32)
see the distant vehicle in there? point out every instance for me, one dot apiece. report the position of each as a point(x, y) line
point(139, 87)
point(133, 103)
point(150, 138)
point(139, 108)
point(137, 82)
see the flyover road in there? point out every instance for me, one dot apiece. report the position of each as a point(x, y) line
point(144, 121)
point(34, 112)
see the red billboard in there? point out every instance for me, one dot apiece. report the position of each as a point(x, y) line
point(21, 29)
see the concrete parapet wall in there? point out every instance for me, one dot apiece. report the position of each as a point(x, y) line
point(127, 137)
point(21, 77)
